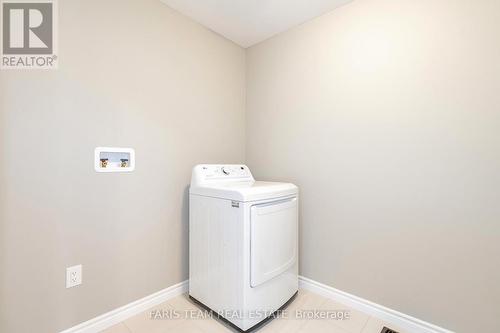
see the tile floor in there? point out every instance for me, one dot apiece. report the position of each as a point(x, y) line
point(358, 322)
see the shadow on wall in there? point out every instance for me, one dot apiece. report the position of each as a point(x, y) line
point(185, 229)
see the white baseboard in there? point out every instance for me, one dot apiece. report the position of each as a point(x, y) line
point(401, 320)
point(120, 314)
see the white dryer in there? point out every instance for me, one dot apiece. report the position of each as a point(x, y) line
point(243, 243)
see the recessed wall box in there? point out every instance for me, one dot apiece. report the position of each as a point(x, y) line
point(109, 159)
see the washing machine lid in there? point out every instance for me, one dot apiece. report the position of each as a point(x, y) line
point(235, 182)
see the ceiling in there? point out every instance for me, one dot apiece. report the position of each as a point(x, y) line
point(248, 22)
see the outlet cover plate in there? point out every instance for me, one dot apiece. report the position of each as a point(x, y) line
point(73, 276)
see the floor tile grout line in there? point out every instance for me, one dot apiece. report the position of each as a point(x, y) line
point(366, 324)
point(128, 328)
point(335, 323)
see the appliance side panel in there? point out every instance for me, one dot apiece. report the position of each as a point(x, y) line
point(216, 253)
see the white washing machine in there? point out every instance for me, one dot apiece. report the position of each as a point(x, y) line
point(243, 243)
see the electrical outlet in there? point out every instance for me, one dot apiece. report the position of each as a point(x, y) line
point(73, 276)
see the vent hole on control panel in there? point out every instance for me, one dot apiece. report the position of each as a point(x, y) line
point(388, 330)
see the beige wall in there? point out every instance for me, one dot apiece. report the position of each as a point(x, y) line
point(132, 74)
point(386, 113)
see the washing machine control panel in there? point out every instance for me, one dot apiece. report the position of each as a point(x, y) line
point(208, 172)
